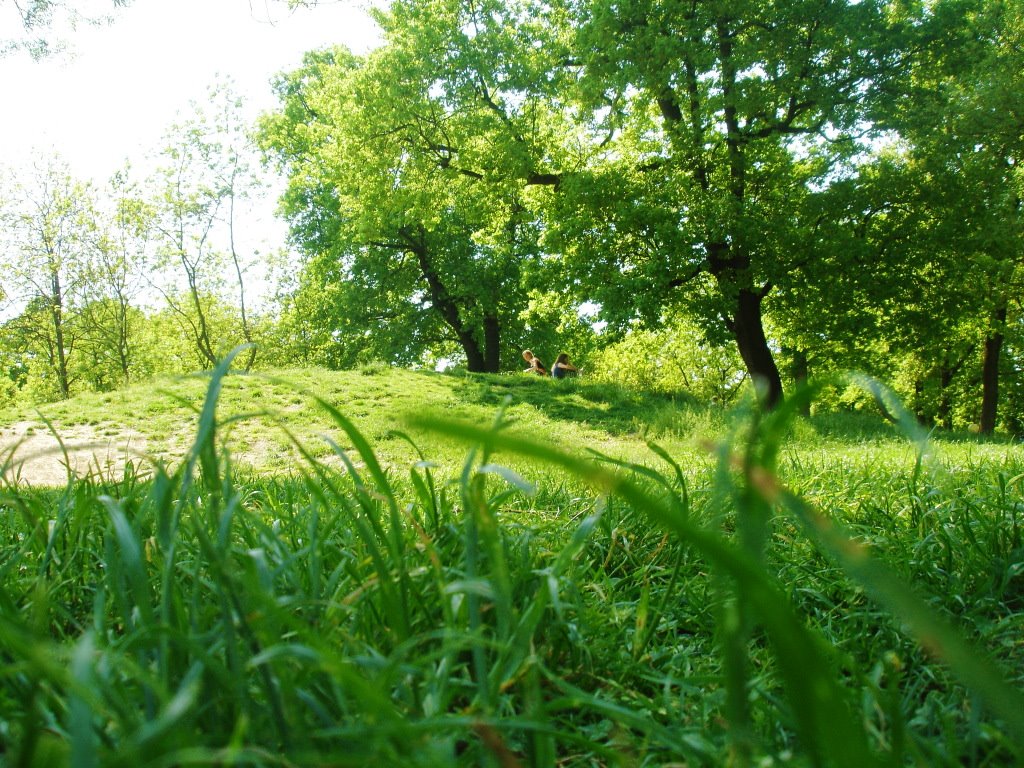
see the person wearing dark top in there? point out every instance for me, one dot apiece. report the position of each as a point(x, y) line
point(536, 366)
point(563, 368)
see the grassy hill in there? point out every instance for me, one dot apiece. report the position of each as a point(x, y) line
point(713, 588)
point(264, 418)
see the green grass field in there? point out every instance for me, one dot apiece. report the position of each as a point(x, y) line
point(396, 568)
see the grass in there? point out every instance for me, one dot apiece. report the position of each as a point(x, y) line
point(481, 590)
point(252, 408)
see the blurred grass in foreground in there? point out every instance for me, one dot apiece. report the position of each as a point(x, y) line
point(772, 610)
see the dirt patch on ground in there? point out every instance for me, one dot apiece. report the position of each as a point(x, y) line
point(30, 453)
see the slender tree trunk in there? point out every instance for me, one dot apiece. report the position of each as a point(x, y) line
point(123, 346)
point(246, 330)
point(990, 374)
point(919, 412)
point(798, 371)
point(944, 410)
point(60, 351)
point(800, 368)
point(202, 332)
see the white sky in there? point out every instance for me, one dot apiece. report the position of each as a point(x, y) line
point(115, 94)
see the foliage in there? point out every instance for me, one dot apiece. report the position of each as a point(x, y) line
point(674, 358)
point(39, 18)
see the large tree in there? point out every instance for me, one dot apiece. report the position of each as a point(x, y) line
point(50, 236)
point(677, 140)
point(728, 115)
point(423, 244)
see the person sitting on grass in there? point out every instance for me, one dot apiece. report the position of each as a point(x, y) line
point(536, 366)
point(563, 368)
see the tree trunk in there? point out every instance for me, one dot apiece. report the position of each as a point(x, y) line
point(990, 374)
point(730, 267)
point(246, 330)
point(476, 361)
point(492, 344)
point(944, 410)
point(919, 412)
point(60, 351)
point(748, 330)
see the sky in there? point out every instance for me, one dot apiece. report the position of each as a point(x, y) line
point(119, 88)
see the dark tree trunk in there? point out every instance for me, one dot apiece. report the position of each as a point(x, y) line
point(919, 411)
point(492, 344)
point(944, 411)
point(730, 267)
point(476, 359)
point(748, 330)
point(990, 374)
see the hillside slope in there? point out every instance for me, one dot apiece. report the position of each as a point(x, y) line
point(263, 416)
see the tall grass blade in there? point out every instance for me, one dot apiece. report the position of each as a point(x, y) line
point(820, 704)
point(971, 665)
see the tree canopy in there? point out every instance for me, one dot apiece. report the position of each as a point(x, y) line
point(651, 155)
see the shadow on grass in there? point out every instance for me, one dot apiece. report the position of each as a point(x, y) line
point(614, 409)
point(872, 427)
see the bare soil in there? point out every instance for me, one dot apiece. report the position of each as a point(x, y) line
point(30, 453)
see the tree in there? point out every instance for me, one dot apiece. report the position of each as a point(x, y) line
point(110, 316)
point(51, 229)
point(418, 246)
point(196, 203)
point(728, 116)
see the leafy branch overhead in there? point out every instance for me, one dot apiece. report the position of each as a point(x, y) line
point(44, 22)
